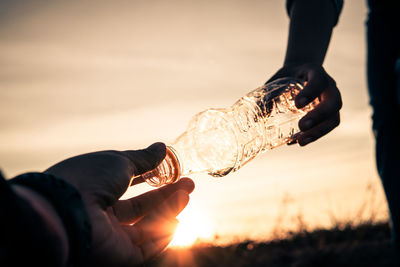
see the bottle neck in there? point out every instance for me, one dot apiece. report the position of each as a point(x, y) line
point(168, 172)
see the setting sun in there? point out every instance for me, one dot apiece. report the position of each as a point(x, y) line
point(194, 224)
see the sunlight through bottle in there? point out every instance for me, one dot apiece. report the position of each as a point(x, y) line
point(220, 141)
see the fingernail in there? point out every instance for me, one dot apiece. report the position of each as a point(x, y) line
point(187, 184)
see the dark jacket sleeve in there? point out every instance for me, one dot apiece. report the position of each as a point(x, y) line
point(337, 3)
point(22, 231)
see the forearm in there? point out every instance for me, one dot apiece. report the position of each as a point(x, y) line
point(310, 30)
point(57, 241)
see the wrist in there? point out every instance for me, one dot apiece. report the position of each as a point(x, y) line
point(293, 64)
point(57, 239)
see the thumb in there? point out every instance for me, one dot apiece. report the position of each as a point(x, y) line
point(146, 159)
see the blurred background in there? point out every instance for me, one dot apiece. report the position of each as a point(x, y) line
point(81, 76)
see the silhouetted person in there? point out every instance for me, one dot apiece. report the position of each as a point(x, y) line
point(311, 24)
point(383, 50)
point(71, 215)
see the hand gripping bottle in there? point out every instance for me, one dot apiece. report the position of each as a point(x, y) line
point(219, 141)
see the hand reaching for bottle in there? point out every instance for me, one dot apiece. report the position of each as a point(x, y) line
point(325, 117)
point(125, 232)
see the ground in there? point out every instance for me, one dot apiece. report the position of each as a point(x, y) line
point(367, 244)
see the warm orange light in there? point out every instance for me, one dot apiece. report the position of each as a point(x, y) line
point(194, 224)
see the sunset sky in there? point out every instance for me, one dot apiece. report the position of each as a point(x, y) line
point(81, 76)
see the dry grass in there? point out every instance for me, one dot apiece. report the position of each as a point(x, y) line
point(364, 245)
point(363, 239)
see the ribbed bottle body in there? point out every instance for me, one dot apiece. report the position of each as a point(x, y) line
point(266, 118)
point(209, 144)
point(277, 110)
point(219, 141)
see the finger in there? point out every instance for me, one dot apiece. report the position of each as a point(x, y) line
point(133, 232)
point(317, 82)
point(151, 248)
point(293, 141)
point(284, 72)
point(159, 220)
point(137, 180)
point(157, 230)
point(130, 210)
point(169, 209)
point(146, 159)
point(329, 106)
point(318, 131)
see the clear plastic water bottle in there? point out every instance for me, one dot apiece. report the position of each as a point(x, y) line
point(220, 141)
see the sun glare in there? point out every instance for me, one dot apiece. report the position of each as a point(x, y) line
point(193, 224)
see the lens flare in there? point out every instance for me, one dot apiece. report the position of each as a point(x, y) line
point(194, 225)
